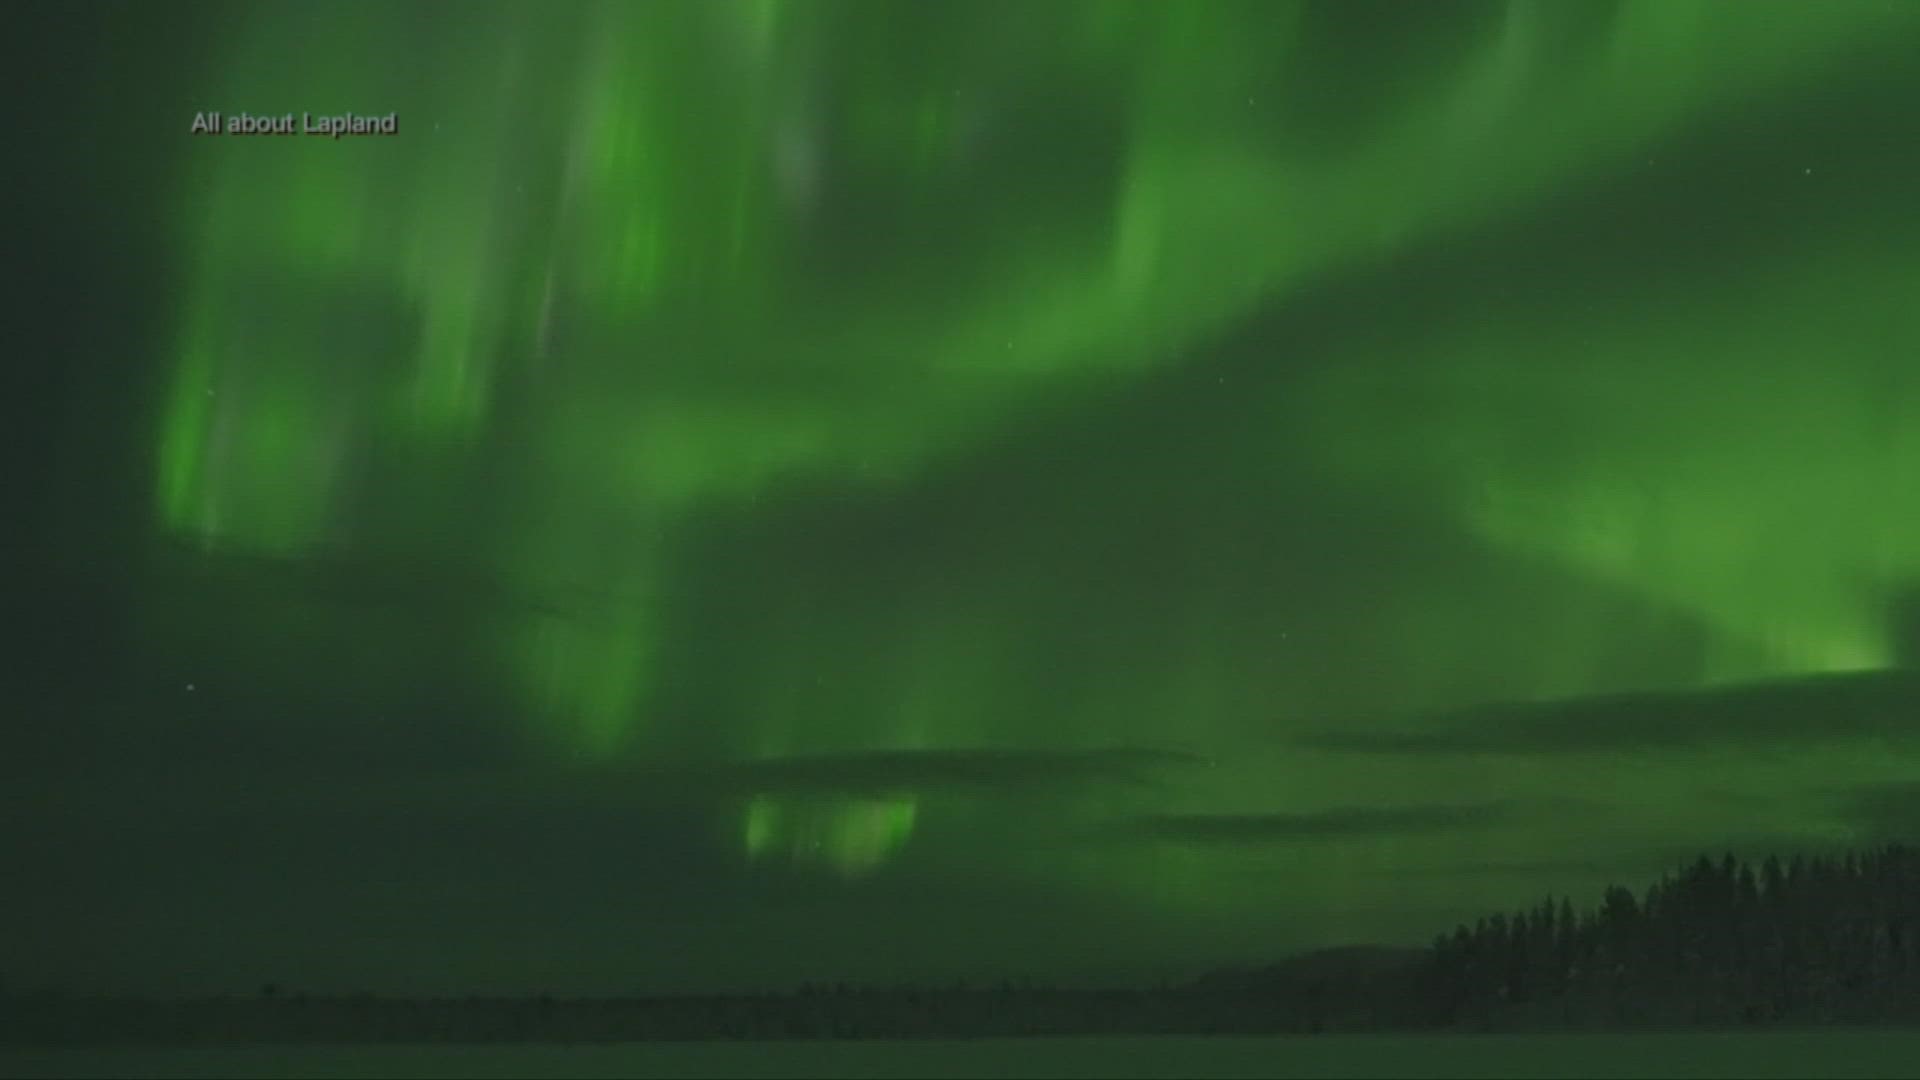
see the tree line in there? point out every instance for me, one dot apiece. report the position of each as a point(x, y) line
point(1810, 939)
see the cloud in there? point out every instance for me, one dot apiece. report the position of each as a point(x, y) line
point(1347, 823)
point(1784, 713)
point(995, 770)
point(689, 789)
point(893, 772)
point(1625, 865)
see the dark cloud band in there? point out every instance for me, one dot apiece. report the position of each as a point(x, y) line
point(1797, 712)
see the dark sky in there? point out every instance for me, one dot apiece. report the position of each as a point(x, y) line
point(739, 493)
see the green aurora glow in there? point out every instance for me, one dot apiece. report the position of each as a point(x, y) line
point(710, 384)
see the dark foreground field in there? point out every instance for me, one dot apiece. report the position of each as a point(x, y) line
point(1799, 1054)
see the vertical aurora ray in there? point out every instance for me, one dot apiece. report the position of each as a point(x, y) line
point(851, 836)
point(608, 250)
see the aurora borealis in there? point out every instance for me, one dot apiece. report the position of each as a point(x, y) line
point(741, 492)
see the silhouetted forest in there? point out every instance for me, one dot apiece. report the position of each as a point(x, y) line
point(1828, 939)
point(1719, 944)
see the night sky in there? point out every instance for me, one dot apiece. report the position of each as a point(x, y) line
point(748, 492)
